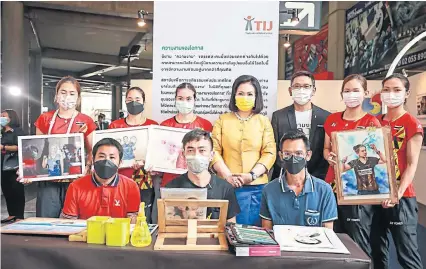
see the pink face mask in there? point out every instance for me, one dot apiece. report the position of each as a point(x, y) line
point(353, 99)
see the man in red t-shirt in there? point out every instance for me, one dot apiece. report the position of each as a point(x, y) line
point(400, 219)
point(105, 193)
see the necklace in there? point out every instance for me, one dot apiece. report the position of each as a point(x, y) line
point(241, 119)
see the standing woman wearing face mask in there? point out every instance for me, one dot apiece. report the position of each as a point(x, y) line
point(244, 147)
point(135, 103)
point(185, 118)
point(401, 219)
point(65, 120)
point(13, 191)
point(354, 220)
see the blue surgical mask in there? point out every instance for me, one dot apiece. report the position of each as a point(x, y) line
point(3, 121)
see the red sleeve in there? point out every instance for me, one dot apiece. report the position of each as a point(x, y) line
point(42, 123)
point(133, 196)
point(374, 122)
point(71, 201)
point(327, 125)
point(413, 127)
point(151, 122)
point(208, 126)
point(166, 123)
point(91, 126)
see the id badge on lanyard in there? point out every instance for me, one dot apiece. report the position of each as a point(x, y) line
point(52, 122)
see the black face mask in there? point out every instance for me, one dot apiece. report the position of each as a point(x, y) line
point(135, 108)
point(105, 169)
point(294, 165)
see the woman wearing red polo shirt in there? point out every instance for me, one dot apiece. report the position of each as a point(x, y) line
point(401, 219)
point(353, 220)
point(66, 119)
point(185, 103)
point(135, 101)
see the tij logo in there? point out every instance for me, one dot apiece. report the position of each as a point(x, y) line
point(258, 27)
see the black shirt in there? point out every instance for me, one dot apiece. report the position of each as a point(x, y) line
point(218, 189)
point(364, 172)
point(10, 138)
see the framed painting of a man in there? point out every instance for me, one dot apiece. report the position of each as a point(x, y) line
point(365, 166)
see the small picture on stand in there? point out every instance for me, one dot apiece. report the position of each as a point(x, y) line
point(51, 157)
point(184, 212)
point(365, 171)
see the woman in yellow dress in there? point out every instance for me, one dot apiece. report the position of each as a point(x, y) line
point(245, 147)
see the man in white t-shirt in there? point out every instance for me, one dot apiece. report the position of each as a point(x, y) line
point(305, 116)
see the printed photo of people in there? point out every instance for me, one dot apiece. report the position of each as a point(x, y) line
point(47, 158)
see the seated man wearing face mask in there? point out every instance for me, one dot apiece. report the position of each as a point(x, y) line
point(198, 151)
point(297, 198)
point(105, 192)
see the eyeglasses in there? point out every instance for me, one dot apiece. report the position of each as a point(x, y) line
point(301, 87)
point(297, 154)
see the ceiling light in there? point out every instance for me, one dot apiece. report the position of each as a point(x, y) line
point(294, 17)
point(287, 42)
point(141, 18)
point(15, 91)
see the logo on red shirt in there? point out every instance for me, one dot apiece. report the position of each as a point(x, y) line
point(116, 202)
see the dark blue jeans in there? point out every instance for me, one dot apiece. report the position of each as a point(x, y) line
point(249, 198)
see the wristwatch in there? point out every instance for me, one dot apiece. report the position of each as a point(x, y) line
point(253, 176)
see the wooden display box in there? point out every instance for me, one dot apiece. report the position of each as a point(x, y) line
point(191, 229)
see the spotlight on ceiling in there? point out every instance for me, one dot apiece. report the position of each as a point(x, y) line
point(15, 91)
point(287, 42)
point(294, 17)
point(141, 18)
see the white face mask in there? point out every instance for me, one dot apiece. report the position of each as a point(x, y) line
point(353, 99)
point(301, 96)
point(67, 101)
point(198, 163)
point(184, 107)
point(392, 100)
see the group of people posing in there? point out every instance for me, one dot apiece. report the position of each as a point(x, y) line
point(235, 158)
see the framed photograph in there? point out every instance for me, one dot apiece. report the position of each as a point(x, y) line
point(165, 152)
point(133, 140)
point(421, 105)
point(365, 170)
point(308, 239)
point(184, 212)
point(50, 157)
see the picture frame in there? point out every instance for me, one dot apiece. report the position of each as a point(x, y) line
point(177, 212)
point(365, 170)
point(165, 151)
point(51, 157)
point(424, 137)
point(421, 105)
point(136, 147)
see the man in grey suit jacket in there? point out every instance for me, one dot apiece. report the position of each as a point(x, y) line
point(305, 116)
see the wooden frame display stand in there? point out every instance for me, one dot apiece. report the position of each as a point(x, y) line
point(191, 229)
